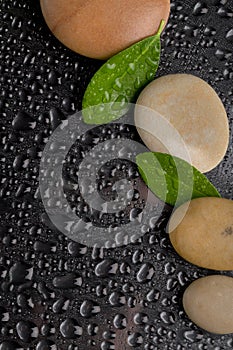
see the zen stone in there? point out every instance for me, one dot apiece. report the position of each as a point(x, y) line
point(102, 28)
point(194, 109)
point(201, 232)
point(208, 302)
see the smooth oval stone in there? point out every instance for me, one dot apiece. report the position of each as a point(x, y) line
point(208, 302)
point(102, 28)
point(194, 109)
point(201, 232)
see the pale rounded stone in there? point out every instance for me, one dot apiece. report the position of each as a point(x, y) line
point(203, 233)
point(102, 28)
point(208, 302)
point(193, 108)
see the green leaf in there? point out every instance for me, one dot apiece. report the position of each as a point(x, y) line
point(172, 179)
point(120, 80)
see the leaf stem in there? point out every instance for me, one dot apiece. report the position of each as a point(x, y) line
point(161, 26)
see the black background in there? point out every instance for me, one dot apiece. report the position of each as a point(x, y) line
point(49, 288)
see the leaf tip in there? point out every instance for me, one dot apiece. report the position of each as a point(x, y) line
point(161, 27)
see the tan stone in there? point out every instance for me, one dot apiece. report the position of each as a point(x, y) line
point(208, 302)
point(193, 108)
point(203, 235)
point(101, 28)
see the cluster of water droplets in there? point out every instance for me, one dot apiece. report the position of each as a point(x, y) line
point(59, 294)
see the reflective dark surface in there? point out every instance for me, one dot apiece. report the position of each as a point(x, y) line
point(58, 294)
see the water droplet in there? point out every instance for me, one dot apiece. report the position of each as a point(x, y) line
point(167, 317)
point(118, 85)
point(135, 339)
point(89, 309)
point(19, 273)
point(137, 82)
point(141, 318)
point(131, 68)
point(200, 8)
point(92, 329)
point(60, 305)
point(169, 269)
point(151, 62)
point(137, 257)
point(107, 346)
point(70, 329)
point(117, 299)
point(10, 345)
point(111, 66)
point(23, 122)
point(70, 280)
point(121, 102)
point(193, 336)
point(145, 273)
point(56, 116)
point(109, 335)
point(27, 331)
point(76, 249)
point(125, 268)
point(153, 295)
point(120, 321)
point(229, 35)
point(171, 284)
point(46, 345)
point(106, 98)
point(106, 267)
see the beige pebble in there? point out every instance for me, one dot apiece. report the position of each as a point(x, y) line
point(208, 302)
point(203, 235)
point(102, 28)
point(193, 108)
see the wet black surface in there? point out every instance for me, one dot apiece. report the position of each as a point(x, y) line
point(59, 294)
